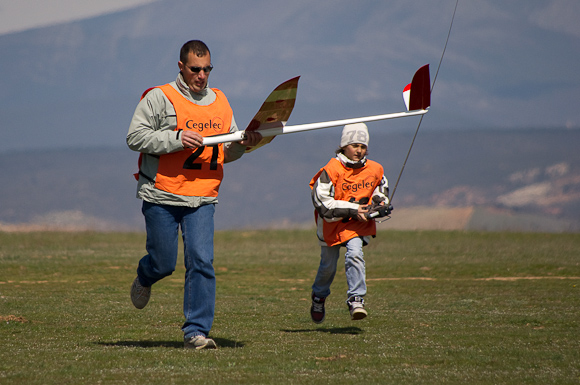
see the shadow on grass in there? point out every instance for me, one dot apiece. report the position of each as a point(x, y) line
point(348, 330)
point(221, 343)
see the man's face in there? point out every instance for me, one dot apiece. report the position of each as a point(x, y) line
point(355, 151)
point(196, 81)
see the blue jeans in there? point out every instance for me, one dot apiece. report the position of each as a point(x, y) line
point(354, 265)
point(197, 226)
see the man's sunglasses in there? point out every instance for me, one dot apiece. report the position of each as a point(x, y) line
point(196, 70)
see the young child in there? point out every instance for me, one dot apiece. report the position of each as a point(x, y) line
point(341, 193)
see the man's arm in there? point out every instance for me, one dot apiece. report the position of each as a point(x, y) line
point(151, 130)
point(234, 150)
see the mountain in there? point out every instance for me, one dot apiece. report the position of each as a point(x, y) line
point(527, 180)
point(68, 93)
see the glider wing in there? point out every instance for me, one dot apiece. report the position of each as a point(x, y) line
point(274, 113)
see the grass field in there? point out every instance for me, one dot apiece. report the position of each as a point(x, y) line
point(444, 308)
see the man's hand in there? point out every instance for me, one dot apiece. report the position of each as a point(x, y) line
point(191, 139)
point(252, 138)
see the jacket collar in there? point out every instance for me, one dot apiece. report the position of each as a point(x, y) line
point(346, 162)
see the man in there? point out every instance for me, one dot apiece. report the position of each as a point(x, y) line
point(179, 180)
point(341, 193)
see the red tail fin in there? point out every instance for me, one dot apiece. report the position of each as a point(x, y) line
point(417, 94)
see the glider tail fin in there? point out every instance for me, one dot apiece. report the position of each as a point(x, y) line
point(417, 94)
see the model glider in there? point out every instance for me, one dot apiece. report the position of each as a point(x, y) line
point(272, 117)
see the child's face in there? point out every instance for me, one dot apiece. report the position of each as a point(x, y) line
point(355, 151)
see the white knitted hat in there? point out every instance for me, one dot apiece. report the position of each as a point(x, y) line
point(354, 133)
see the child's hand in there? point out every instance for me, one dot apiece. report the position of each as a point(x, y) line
point(362, 213)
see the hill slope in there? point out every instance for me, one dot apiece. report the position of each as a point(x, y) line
point(530, 176)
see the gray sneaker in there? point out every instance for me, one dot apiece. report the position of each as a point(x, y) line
point(140, 294)
point(356, 305)
point(199, 342)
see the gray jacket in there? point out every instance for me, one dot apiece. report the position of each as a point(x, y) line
point(152, 133)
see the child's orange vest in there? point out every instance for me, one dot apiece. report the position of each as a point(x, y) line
point(350, 184)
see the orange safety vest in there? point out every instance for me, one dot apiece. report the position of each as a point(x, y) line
point(350, 184)
point(195, 172)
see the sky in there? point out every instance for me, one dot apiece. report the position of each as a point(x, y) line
point(20, 15)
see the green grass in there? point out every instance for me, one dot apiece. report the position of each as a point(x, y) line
point(444, 308)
